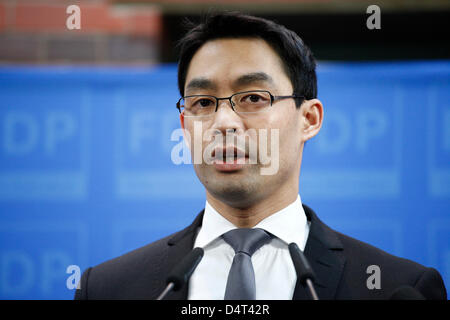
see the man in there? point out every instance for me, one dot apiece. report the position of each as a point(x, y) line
point(246, 81)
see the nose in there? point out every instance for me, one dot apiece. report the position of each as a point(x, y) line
point(221, 101)
point(225, 119)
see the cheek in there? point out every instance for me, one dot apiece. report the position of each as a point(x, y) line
point(194, 131)
point(289, 136)
point(287, 125)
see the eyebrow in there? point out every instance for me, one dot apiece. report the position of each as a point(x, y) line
point(244, 80)
point(251, 78)
point(200, 83)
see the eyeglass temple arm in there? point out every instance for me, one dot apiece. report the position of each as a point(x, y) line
point(275, 98)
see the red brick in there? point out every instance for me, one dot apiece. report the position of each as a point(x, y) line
point(40, 17)
point(96, 17)
point(145, 23)
point(2, 17)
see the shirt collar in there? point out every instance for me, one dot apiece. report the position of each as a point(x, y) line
point(289, 225)
point(213, 226)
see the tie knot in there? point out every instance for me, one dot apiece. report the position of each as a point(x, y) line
point(246, 240)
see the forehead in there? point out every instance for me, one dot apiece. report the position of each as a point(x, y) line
point(223, 61)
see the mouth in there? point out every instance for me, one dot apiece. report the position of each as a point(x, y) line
point(228, 153)
point(229, 158)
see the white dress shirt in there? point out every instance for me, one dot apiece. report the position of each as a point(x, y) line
point(274, 270)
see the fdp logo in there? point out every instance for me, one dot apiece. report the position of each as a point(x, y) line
point(439, 140)
point(357, 153)
point(146, 120)
point(33, 265)
point(43, 142)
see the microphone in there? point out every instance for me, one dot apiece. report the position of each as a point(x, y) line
point(304, 271)
point(406, 293)
point(182, 272)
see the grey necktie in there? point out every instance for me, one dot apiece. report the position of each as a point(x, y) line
point(241, 279)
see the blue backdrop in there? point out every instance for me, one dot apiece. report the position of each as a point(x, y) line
point(86, 172)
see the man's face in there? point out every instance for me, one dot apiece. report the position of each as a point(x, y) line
point(222, 68)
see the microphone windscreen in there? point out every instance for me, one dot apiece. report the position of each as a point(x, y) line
point(183, 271)
point(406, 293)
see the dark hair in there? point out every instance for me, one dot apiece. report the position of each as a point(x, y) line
point(298, 60)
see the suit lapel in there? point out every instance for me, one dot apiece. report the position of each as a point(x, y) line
point(324, 253)
point(179, 246)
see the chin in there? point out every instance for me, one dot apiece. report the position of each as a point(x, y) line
point(236, 193)
point(238, 189)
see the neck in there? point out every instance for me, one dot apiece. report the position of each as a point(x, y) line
point(250, 216)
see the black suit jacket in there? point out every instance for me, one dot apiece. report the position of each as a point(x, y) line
point(340, 264)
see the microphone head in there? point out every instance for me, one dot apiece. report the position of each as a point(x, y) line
point(406, 293)
point(183, 271)
point(301, 264)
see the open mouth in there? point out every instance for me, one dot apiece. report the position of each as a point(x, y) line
point(228, 154)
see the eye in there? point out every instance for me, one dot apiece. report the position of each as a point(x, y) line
point(204, 102)
point(254, 98)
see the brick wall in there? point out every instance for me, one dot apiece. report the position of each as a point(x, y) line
point(36, 32)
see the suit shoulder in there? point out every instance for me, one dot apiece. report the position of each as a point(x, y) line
point(369, 253)
point(395, 271)
point(129, 270)
point(147, 253)
point(138, 274)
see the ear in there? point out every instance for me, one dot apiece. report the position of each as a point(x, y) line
point(187, 141)
point(312, 118)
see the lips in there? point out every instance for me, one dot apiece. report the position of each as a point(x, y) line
point(228, 153)
point(228, 159)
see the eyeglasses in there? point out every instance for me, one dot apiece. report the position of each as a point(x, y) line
point(247, 102)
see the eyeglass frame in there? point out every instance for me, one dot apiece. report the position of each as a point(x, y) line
point(272, 99)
